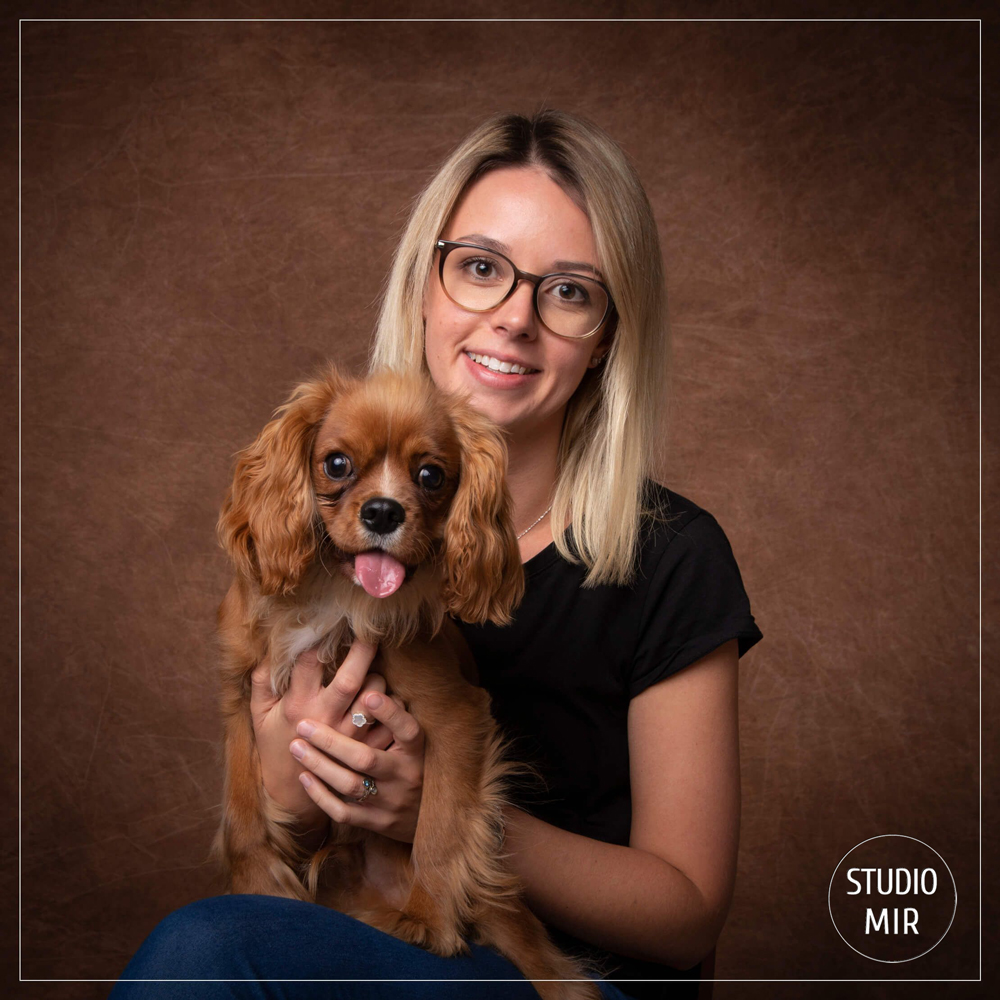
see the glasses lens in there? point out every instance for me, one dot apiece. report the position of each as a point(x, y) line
point(568, 304)
point(571, 305)
point(475, 278)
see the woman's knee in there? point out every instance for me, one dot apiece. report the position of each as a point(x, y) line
point(246, 939)
point(198, 941)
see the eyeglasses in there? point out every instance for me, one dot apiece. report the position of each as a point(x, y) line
point(479, 279)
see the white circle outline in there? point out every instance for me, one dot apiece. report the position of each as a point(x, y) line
point(890, 961)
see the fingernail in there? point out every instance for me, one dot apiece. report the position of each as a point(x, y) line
point(305, 728)
point(305, 779)
point(298, 749)
point(373, 700)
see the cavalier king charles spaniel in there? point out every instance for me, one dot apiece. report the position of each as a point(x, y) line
point(373, 509)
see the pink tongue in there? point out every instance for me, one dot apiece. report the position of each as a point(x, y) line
point(379, 573)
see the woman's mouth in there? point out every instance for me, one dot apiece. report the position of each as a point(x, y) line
point(499, 366)
point(492, 371)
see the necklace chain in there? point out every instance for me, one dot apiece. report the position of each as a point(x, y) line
point(533, 523)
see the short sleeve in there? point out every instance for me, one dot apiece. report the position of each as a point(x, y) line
point(694, 602)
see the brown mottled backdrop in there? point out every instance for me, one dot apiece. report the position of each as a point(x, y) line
point(208, 211)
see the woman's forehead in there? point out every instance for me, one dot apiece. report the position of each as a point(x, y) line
point(524, 210)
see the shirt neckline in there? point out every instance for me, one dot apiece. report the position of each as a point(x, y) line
point(546, 557)
point(540, 559)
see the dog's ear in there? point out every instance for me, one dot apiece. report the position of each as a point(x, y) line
point(484, 579)
point(266, 524)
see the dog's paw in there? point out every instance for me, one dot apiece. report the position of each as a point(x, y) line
point(446, 942)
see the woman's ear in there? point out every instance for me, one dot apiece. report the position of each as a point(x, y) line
point(266, 524)
point(603, 347)
point(484, 577)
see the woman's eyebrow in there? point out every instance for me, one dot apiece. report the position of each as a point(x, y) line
point(578, 265)
point(486, 241)
point(500, 247)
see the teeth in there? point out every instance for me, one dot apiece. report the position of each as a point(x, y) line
point(498, 366)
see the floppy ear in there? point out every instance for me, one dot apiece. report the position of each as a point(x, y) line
point(266, 524)
point(484, 576)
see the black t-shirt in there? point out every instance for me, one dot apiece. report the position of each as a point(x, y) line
point(561, 676)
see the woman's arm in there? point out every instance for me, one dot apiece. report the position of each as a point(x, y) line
point(665, 897)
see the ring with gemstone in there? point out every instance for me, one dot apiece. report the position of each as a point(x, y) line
point(370, 789)
point(360, 719)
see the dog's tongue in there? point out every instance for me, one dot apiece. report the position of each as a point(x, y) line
point(379, 573)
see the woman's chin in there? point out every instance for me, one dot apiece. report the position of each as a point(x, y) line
point(499, 411)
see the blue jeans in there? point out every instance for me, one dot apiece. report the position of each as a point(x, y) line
point(251, 939)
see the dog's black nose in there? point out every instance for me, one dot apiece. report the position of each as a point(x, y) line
point(382, 515)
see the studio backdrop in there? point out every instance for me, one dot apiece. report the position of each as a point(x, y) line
point(208, 213)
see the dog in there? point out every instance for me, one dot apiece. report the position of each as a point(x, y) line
point(374, 508)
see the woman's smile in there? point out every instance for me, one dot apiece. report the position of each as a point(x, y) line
point(501, 373)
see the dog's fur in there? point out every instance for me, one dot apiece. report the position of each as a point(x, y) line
point(292, 533)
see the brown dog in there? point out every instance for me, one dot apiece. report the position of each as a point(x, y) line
point(371, 509)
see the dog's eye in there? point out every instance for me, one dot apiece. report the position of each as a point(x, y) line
point(337, 465)
point(430, 477)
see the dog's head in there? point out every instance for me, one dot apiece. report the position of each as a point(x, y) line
point(377, 477)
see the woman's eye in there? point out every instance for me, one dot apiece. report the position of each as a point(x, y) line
point(430, 477)
point(480, 267)
point(568, 291)
point(337, 465)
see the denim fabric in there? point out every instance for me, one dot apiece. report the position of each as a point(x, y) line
point(255, 938)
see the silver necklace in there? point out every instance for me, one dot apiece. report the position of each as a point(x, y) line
point(533, 523)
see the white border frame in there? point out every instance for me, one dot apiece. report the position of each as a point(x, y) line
point(583, 20)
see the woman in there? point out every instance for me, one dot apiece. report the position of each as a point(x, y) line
point(534, 246)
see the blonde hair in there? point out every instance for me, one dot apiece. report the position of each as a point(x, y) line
point(610, 434)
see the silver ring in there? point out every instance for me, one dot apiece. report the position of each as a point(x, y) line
point(370, 789)
point(360, 719)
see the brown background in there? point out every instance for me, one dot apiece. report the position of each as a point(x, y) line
point(208, 210)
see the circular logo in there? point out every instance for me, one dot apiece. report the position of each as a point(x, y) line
point(892, 898)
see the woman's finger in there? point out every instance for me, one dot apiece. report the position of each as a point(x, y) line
point(347, 681)
point(348, 813)
point(377, 737)
point(307, 676)
point(355, 723)
point(405, 729)
point(376, 734)
point(353, 754)
point(341, 779)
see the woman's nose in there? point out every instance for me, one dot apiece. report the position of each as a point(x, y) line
point(517, 314)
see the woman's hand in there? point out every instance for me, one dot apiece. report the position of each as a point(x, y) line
point(343, 763)
point(274, 721)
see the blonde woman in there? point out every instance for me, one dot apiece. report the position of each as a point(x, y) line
point(530, 272)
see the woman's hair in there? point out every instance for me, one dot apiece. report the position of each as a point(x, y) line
point(610, 432)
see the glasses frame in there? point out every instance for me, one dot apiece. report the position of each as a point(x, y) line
point(446, 246)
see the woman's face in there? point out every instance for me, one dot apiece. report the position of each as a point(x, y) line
point(523, 208)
